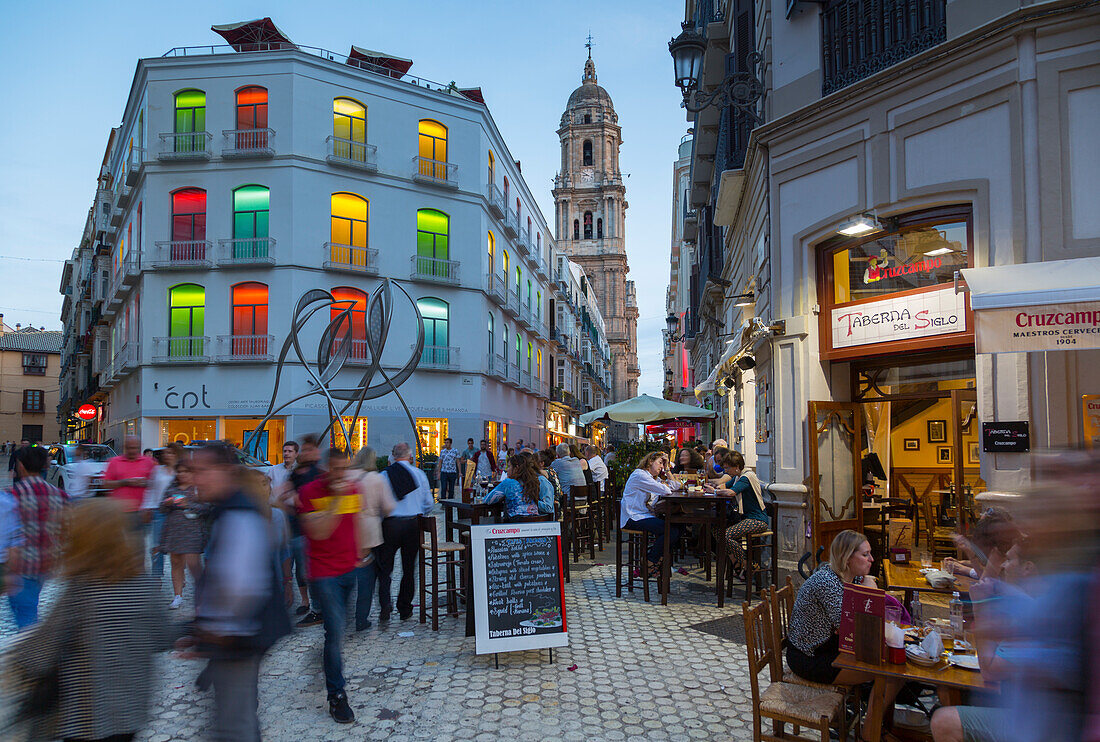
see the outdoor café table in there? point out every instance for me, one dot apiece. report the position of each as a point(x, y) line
point(907, 577)
point(950, 682)
point(458, 516)
point(713, 512)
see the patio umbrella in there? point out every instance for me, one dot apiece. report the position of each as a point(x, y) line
point(381, 62)
point(647, 409)
point(260, 34)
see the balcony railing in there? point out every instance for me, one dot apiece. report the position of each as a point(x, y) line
point(525, 380)
point(495, 288)
point(436, 172)
point(247, 251)
point(513, 375)
point(498, 366)
point(513, 303)
point(241, 143)
point(439, 356)
point(436, 270)
point(511, 223)
point(185, 145)
point(126, 359)
point(523, 242)
point(245, 348)
point(184, 254)
point(358, 352)
point(862, 37)
point(351, 258)
point(135, 161)
point(496, 201)
point(189, 349)
point(350, 153)
point(540, 266)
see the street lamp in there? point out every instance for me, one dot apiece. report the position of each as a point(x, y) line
point(741, 90)
point(672, 322)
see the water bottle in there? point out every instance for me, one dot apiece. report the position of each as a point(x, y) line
point(916, 610)
point(955, 610)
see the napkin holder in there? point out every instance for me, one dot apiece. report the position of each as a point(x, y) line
point(900, 555)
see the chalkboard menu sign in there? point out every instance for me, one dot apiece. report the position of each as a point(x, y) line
point(1006, 437)
point(518, 587)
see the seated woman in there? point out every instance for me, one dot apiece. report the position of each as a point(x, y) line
point(753, 518)
point(647, 484)
point(815, 619)
point(525, 492)
point(995, 529)
point(688, 462)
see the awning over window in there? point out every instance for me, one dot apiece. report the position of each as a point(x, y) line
point(1053, 305)
point(252, 36)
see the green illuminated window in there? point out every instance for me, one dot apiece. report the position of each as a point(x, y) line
point(250, 213)
point(190, 126)
point(436, 315)
point(186, 320)
point(433, 243)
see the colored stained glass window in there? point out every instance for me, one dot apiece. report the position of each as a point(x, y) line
point(190, 124)
point(250, 212)
point(189, 215)
point(186, 319)
point(436, 315)
point(357, 300)
point(349, 128)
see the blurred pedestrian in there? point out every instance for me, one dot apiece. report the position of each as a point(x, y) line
point(401, 531)
point(164, 474)
point(328, 507)
point(40, 508)
point(95, 647)
point(78, 478)
point(23, 444)
point(446, 469)
point(376, 502)
point(183, 535)
point(239, 612)
point(127, 476)
point(306, 469)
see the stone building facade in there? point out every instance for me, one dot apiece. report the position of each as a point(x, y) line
point(590, 219)
point(29, 363)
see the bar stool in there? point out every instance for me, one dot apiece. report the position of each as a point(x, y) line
point(445, 558)
point(638, 543)
point(581, 524)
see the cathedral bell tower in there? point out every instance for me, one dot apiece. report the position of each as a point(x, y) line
point(590, 210)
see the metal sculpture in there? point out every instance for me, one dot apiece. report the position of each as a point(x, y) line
point(334, 349)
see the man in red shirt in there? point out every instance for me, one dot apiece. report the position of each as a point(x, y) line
point(327, 507)
point(127, 475)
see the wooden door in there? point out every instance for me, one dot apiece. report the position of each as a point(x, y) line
point(836, 474)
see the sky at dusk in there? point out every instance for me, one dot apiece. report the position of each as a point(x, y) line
point(69, 67)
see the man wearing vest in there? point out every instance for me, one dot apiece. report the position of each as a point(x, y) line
point(401, 531)
point(239, 609)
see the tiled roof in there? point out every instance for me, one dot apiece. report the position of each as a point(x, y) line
point(32, 340)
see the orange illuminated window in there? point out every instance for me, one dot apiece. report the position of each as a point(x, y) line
point(357, 300)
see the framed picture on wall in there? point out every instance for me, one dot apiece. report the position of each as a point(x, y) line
point(937, 431)
point(943, 454)
point(972, 453)
point(911, 444)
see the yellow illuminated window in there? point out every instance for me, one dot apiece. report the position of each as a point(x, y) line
point(492, 168)
point(492, 252)
point(357, 432)
point(433, 149)
point(432, 432)
point(348, 230)
point(349, 129)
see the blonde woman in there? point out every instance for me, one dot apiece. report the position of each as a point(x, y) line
point(103, 629)
point(377, 501)
point(645, 486)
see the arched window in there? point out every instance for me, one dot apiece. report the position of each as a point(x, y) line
point(519, 343)
point(576, 229)
point(348, 229)
point(249, 319)
point(530, 356)
point(349, 129)
point(492, 169)
point(251, 118)
point(186, 320)
point(519, 282)
point(492, 253)
point(433, 243)
point(436, 331)
point(504, 343)
point(588, 225)
point(250, 221)
point(504, 266)
point(505, 189)
point(538, 365)
point(528, 293)
point(587, 151)
point(538, 305)
point(190, 125)
point(599, 228)
point(492, 338)
point(433, 149)
point(538, 240)
point(517, 212)
point(188, 221)
point(357, 301)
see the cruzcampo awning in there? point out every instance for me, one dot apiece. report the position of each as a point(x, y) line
point(647, 409)
point(1052, 305)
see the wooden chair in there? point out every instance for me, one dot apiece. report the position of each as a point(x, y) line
point(444, 558)
point(784, 703)
point(637, 542)
point(540, 518)
point(579, 512)
point(938, 539)
point(754, 546)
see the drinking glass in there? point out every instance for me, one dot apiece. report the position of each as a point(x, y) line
point(925, 559)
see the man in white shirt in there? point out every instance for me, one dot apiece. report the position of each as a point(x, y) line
point(278, 474)
point(596, 466)
point(485, 464)
point(401, 531)
point(79, 476)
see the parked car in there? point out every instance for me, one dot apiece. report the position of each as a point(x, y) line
point(63, 464)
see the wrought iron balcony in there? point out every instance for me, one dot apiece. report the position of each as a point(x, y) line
point(511, 223)
point(349, 153)
point(181, 350)
point(513, 304)
point(495, 288)
point(185, 145)
point(127, 359)
point(496, 201)
point(513, 375)
point(245, 348)
point(243, 143)
point(525, 380)
point(523, 241)
point(436, 270)
point(862, 37)
point(358, 351)
point(242, 251)
point(351, 258)
point(443, 357)
point(135, 161)
point(540, 266)
point(498, 367)
point(183, 254)
point(435, 172)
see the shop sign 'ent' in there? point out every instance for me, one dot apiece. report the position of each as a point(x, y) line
point(926, 314)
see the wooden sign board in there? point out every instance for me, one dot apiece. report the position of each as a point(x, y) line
point(862, 616)
point(519, 590)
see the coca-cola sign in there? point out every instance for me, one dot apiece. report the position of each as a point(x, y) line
point(905, 317)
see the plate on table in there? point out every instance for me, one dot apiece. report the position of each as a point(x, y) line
point(918, 656)
point(965, 661)
point(926, 570)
